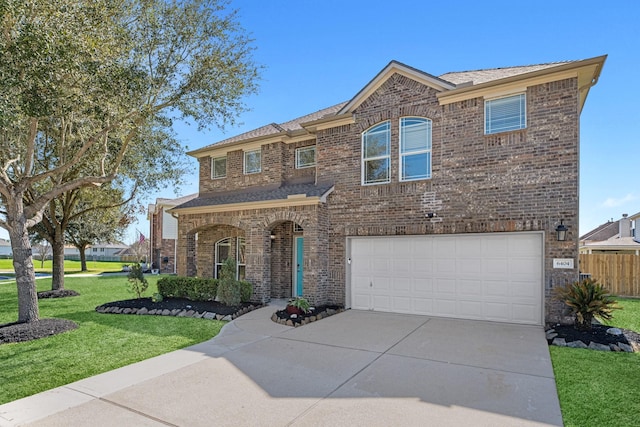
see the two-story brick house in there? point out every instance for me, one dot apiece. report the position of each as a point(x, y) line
point(429, 195)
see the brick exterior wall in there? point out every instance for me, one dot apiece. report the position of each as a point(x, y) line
point(524, 180)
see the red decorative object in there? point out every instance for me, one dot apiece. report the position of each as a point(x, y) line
point(294, 310)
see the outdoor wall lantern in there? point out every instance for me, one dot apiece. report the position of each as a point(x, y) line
point(561, 231)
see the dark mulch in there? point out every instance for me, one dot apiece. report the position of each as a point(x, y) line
point(298, 318)
point(597, 334)
point(179, 303)
point(60, 293)
point(19, 332)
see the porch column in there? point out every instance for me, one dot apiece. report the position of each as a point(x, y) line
point(258, 261)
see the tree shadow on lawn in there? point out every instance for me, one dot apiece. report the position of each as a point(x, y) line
point(158, 326)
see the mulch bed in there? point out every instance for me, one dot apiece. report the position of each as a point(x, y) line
point(19, 332)
point(597, 334)
point(60, 293)
point(178, 303)
point(298, 319)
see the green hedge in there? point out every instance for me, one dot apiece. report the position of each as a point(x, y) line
point(246, 290)
point(193, 288)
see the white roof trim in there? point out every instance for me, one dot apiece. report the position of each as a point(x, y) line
point(392, 68)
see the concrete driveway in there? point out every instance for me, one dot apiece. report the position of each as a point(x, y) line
point(354, 368)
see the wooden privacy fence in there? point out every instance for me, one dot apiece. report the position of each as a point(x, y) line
point(619, 273)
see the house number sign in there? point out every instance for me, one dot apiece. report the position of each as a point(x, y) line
point(563, 263)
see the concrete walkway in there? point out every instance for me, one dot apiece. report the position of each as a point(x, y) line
point(354, 368)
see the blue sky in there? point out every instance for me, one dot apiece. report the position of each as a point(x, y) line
point(319, 53)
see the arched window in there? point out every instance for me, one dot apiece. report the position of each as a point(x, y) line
point(224, 249)
point(415, 148)
point(376, 154)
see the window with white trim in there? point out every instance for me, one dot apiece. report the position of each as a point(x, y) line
point(415, 148)
point(376, 154)
point(305, 157)
point(223, 250)
point(505, 114)
point(252, 161)
point(218, 167)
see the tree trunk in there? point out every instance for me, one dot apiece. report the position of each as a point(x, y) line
point(83, 258)
point(25, 273)
point(57, 248)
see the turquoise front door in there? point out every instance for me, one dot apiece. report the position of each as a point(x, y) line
point(299, 265)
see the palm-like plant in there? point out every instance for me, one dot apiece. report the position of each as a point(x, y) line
point(587, 299)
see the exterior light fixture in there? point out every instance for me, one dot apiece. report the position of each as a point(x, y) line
point(272, 237)
point(561, 231)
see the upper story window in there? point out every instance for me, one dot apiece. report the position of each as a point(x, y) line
point(376, 154)
point(505, 114)
point(305, 157)
point(415, 148)
point(218, 167)
point(252, 161)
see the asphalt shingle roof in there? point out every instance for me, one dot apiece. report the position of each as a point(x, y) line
point(258, 195)
point(456, 78)
point(487, 75)
point(275, 128)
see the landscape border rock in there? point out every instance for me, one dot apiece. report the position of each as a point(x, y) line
point(186, 312)
point(283, 318)
point(600, 338)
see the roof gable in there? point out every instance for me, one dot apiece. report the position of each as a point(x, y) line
point(395, 67)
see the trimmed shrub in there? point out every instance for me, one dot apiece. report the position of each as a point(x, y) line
point(192, 288)
point(229, 292)
point(246, 290)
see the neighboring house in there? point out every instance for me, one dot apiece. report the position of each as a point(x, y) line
point(163, 232)
point(613, 237)
point(97, 252)
point(421, 194)
point(5, 248)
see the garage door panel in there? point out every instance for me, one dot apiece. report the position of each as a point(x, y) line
point(497, 311)
point(496, 288)
point(469, 266)
point(471, 249)
point(524, 288)
point(472, 309)
point(524, 313)
point(422, 305)
point(444, 287)
point(468, 288)
point(422, 286)
point(447, 265)
point(496, 266)
point(497, 247)
point(402, 304)
point(493, 277)
point(445, 307)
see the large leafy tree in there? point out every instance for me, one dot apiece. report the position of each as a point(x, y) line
point(85, 81)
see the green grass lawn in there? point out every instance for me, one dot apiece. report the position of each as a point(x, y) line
point(101, 343)
point(598, 388)
point(70, 267)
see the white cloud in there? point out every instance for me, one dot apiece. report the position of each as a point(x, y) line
point(612, 202)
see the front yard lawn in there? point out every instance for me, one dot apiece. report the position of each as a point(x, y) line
point(101, 343)
point(598, 388)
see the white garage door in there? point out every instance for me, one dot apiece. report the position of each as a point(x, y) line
point(493, 276)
